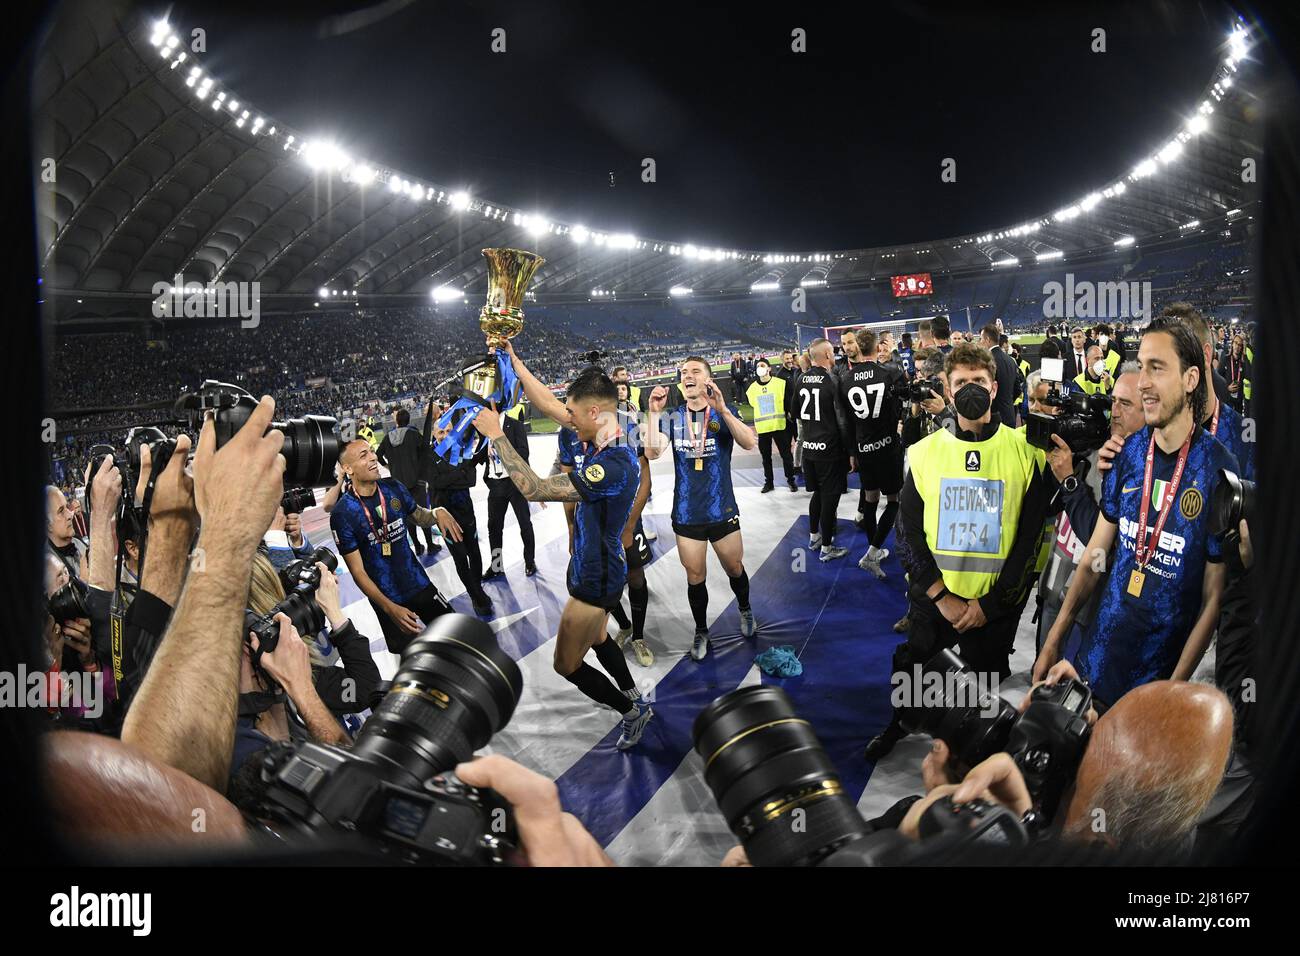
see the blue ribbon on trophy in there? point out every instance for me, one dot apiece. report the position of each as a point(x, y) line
point(490, 379)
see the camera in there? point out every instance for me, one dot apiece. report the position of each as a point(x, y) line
point(1083, 422)
point(69, 602)
point(300, 578)
point(297, 500)
point(311, 444)
point(918, 391)
point(393, 789)
point(593, 357)
point(1233, 502)
point(1046, 741)
point(768, 772)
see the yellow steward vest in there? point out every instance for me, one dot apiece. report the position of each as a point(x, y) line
point(768, 402)
point(973, 492)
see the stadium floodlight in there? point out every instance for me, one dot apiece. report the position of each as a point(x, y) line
point(325, 156)
point(579, 234)
point(1144, 169)
point(324, 292)
point(680, 290)
point(239, 123)
point(1049, 256)
point(1190, 225)
point(1170, 152)
point(765, 286)
point(1226, 82)
point(1090, 201)
point(536, 225)
point(1233, 212)
point(1125, 241)
point(622, 240)
point(1198, 125)
point(806, 283)
point(460, 201)
point(446, 293)
point(1237, 44)
point(1066, 214)
point(1012, 261)
point(394, 184)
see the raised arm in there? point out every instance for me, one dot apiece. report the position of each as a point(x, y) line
point(533, 487)
point(742, 433)
point(537, 393)
point(652, 439)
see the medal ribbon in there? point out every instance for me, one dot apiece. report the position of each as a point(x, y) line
point(383, 513)
point(704, 430)
point(1144, 552)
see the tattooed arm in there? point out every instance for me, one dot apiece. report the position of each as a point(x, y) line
point(428, 517)
point(558, 488)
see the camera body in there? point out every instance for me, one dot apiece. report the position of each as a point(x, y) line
point(442, 822)
point(1233, 502)
point(918, 391)
point(297, 500)
point(1083, 422)
point(300, 578)
point(394, 788)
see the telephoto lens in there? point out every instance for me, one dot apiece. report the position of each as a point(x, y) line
point(974, 722)
point(455, 688)
point(69, 602)
point(1232, 502)
point(773, 782)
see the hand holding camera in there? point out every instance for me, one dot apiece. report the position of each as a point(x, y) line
point(288, 661)
point(238, 486)
point(327, 597)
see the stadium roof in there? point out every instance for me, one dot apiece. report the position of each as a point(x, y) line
point(163, 171)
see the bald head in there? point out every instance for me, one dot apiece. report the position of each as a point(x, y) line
point(1154, 761)
point(58, 517)
point(822, 353)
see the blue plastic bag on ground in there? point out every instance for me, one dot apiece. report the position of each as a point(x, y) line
point(779, 662)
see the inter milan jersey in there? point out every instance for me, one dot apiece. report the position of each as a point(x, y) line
point(1136, 639)
point(398, 575)
point(905, 358)
point(868, 392)
point(607, 480)
point(573, 451)
point(1231, 434)
point(702, 443)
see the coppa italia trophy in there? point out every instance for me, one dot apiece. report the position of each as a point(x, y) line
point(490, 379)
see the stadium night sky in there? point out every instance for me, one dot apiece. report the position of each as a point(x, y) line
point(755, 146)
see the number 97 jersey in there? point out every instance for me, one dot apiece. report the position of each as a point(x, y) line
point(870, 393)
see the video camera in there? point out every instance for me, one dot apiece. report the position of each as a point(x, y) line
point(762, 763)
point(393, 789)
point(300, 578)
point(1083, 421)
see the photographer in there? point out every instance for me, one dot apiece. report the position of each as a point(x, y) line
point(1161, 601)
point(60, 534)
point(933, 413)
point(972, 512)
point(1080, 488)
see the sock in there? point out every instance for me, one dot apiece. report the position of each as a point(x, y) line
point(869, 519)
point(620, 616)
point(639, 598)
point(599, 687)
point(740, 588)
point(886, 523)
point(697, 595)
point(611, 658)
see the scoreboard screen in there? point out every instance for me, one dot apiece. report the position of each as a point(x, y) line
point(918, 284)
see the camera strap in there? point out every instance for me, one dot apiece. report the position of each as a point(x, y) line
point(1214, 421)
point(1144, 549)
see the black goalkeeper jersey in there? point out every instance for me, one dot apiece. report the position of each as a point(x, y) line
point(869, 396)
point(818, 406)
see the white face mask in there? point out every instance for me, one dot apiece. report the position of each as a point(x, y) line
point(764, 371)
point(1104, 340)
point(1099, 368)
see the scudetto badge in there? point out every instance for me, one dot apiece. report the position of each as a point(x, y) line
point(1190, 503)
point(594, 473)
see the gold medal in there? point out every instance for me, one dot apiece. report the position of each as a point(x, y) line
point(1135, 583)
point(699, 464)
point(387, 549)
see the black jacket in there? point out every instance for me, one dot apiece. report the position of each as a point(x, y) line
point(1004, 403)
point(358, 667)
point(518, 437)
point(400, 451)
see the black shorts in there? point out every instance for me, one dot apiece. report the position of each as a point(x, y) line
point(882, 470)
point(428, 604)
point(708, 532)
point(606, 601)
point(638, 556)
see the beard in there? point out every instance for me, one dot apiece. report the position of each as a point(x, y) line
point(1168, 411)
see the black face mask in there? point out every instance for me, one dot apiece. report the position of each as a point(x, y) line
point(972, 400)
